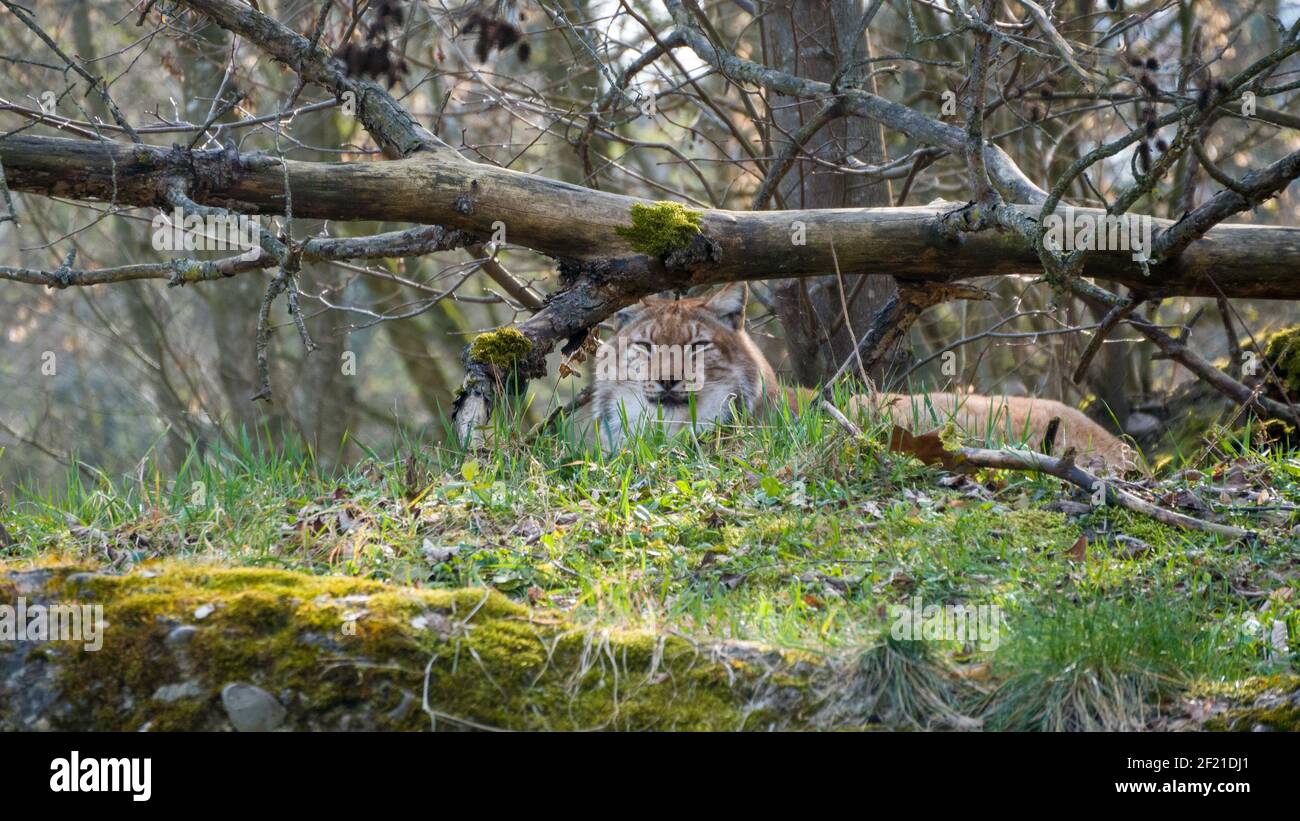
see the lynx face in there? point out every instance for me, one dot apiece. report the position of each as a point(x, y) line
point(679, 362)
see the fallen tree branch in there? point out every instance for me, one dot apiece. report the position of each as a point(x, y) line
point(425, 239)
point(569, 222)
point(1252, 190)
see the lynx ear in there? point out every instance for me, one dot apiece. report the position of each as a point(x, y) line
point(728, 304)
point(630, 314)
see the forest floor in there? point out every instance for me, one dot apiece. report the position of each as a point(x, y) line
point(792, 537)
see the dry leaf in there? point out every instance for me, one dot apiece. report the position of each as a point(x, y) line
point(928, 447)
point(1079, 552)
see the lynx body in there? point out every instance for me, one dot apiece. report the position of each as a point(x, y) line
point(680, 363)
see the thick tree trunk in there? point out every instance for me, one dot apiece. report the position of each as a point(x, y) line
point(816, 39)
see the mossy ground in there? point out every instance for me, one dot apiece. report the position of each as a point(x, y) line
point(788, 534)
point(347, 653)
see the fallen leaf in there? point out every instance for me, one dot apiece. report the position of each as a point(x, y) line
point(1079, 552)
point(981, 671)
point(437, 555)
point(928, 447)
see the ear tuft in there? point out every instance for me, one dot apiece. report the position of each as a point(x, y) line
point(728, 304)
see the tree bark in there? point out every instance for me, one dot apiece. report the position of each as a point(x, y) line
point(573, 223)
point(816, 39)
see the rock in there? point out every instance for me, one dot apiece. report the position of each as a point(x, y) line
point(435, 621)
point(279, 659)
point(80, 580)
point(251, 709)
point(1068, 507)
point(204, 611)
point(175, 692)
point(1141, 424)
point(181, 636)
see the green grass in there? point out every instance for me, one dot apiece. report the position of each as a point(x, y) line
point(788, 533)
point(1105, 663)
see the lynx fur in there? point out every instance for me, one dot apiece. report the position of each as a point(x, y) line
point(688, 362)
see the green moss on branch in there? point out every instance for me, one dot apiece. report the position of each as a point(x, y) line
point(1283, 352)
point(502, 348)
point(660, 228)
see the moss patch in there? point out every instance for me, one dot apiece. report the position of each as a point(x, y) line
point(1283, 351)
point(342, 653)
point(1259, 703)
point(502, 347)
point(661, 227)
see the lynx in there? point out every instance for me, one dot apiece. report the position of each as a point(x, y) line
point(687, 362)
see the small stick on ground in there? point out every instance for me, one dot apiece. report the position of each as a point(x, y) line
point(1064, 468)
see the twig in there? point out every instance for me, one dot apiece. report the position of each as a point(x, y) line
point(1114, 316)
point(1064, 468)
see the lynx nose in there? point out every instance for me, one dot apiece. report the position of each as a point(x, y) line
point(667, 385)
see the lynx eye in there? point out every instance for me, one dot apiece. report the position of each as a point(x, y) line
point(700, 345)
point(643, 347)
